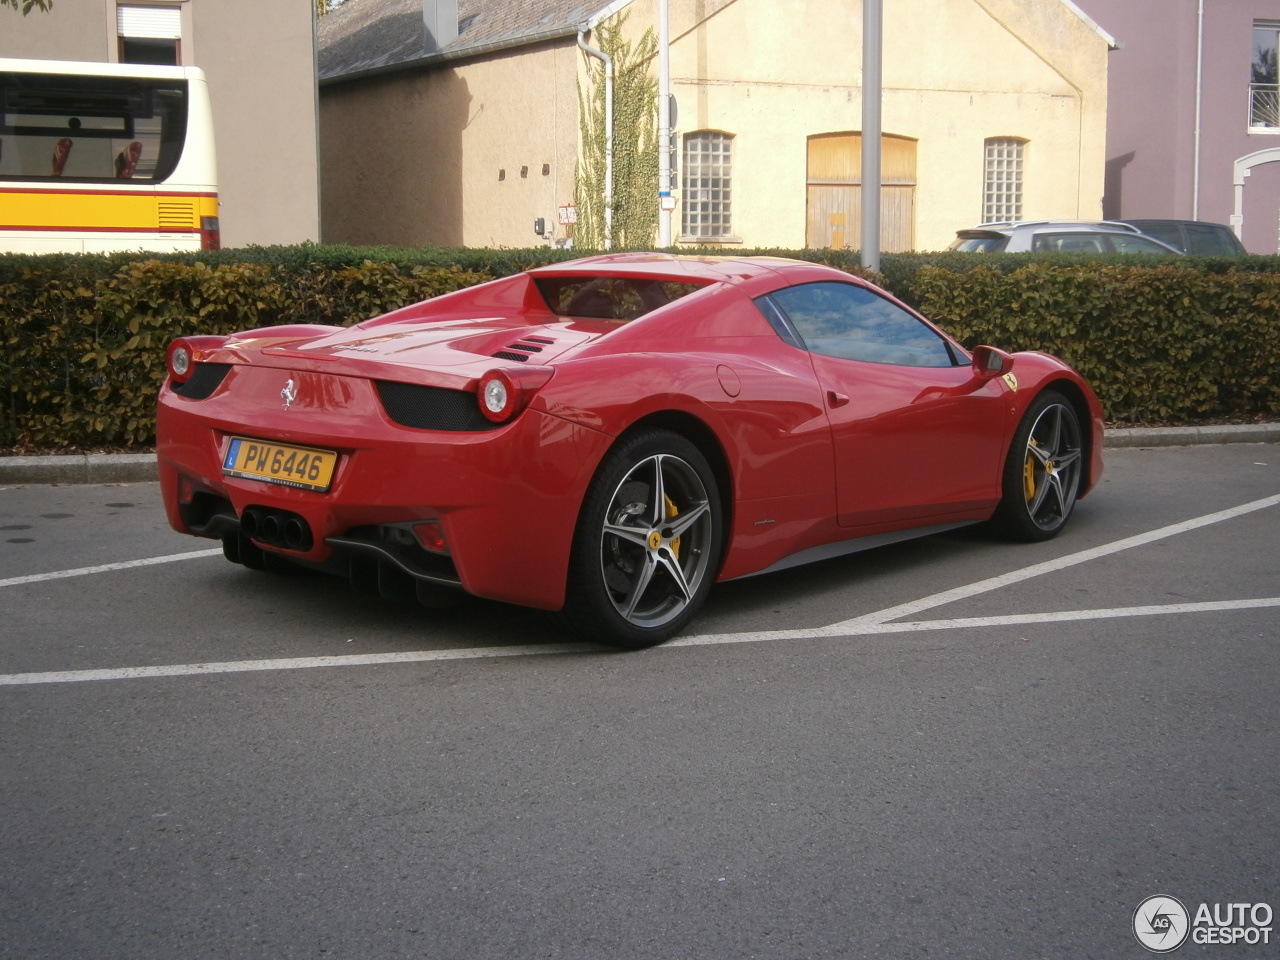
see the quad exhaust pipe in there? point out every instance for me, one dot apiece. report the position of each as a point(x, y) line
point(277, 528)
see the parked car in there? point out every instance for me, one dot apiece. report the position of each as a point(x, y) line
point(1058, 236)
point(606, 437)
point(1193, 236)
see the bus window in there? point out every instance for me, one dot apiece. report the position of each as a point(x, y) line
point(97, 157)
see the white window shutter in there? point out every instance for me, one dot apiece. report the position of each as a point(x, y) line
point(151, 23)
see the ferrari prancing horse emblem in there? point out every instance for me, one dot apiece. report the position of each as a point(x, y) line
point(289, 394)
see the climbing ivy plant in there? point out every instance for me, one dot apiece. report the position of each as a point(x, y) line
point(635, 143)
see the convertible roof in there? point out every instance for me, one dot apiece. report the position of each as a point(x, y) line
point(670, 266)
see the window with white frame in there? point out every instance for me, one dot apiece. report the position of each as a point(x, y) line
point(1264, 78)
point(1002, 179)
point(706, 194)
point(149, 34)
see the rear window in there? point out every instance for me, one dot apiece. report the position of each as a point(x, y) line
point(90, 128)
point(974, 242)
point(1209, 239)
point(610, 298)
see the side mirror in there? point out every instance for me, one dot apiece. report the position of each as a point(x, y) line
point(989, 362)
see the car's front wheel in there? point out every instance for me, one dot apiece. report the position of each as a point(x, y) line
point(647, 545)
point(1042, 474)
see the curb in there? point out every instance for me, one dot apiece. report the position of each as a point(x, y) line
point(80, 468)
point(141, 467)
point(1189, 436)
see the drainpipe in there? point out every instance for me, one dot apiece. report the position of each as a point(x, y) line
point(608, 128)
point(1195, 162)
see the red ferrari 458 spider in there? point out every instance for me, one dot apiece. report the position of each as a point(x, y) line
point(608, 437)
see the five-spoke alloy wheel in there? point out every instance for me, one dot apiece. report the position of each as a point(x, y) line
point(1042, 473)
point(648, 542)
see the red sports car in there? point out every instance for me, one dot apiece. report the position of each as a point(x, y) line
point(608, 437)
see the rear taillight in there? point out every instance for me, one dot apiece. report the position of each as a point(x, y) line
point(210, 234)
point(185, 352)
point(181, 360)
point(504, 393)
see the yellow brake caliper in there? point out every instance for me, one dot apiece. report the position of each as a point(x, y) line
point(671, 511)
point(1029, 473)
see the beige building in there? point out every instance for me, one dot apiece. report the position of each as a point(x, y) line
point(992, 109)
point(258, 59)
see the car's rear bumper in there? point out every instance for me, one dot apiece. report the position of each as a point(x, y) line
point(507, 500)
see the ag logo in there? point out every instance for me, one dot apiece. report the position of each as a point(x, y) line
point(1161, 924)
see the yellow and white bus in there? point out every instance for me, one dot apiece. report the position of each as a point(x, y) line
point(97, 157)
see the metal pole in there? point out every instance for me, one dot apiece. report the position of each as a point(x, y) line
point(872, 37)
point(664, 126)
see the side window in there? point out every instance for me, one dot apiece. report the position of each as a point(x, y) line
point(1123, 243)
point(852, 323)
point(1066, 243)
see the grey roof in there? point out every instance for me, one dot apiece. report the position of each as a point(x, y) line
point(362, 37)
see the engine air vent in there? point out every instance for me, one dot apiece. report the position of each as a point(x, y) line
point(204, 379)
point(509, 355)
point(432, 408)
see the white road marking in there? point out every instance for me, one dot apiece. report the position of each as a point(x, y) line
point(533, 650)
point(870, 624)
point(105, 567)
point(869, 627)
point(292, 663)
point(1050, 566)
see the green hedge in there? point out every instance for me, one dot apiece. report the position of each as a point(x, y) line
point(84, 337)
point(84, 352)
point(1163, 342)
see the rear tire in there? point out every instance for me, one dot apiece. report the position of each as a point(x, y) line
point(647, 546)
point(1042, 473)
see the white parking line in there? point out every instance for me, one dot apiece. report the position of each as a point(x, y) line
point(867, 625)
point(105, 567)
point(532, 650)
point(853, 627)
point(871, 627)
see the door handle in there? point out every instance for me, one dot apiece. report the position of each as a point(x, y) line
point(836, 399)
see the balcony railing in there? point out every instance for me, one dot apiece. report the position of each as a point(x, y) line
point(1264, 105)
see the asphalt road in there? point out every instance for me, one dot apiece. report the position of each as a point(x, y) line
point(954, 747)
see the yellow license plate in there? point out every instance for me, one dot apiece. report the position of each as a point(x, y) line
point(302, 467)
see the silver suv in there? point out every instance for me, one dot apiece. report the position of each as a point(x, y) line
point(1059, 236)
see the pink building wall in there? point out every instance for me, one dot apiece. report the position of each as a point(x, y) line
point(1151, 121)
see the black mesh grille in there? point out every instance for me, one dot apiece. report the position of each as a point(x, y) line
point(203, 381)
point(508, 355)
point(432, 408)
